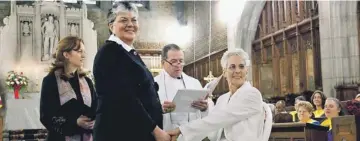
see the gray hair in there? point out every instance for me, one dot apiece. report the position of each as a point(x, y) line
point(120, 7)
point(165, 50)
point(338, 104)
point(234, 52)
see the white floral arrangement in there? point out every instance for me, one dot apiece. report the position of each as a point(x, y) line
point(15, 79)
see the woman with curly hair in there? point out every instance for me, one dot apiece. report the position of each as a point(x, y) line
point(304, 112)
point(318, 101)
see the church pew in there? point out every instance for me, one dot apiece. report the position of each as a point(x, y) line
point(298, 132)
point(346, 128)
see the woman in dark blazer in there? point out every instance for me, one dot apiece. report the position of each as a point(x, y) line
point(129, 107)
point(68, 100)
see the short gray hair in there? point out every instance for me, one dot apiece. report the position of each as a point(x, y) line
point(234, 52)
point(121, 6)
point(165, 50)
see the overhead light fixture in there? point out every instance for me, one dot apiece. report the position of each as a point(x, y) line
point(139, 4)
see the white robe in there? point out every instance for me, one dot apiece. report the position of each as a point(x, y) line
point(241, 118)
point(167, 91)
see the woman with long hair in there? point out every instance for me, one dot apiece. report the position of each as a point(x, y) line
point(68, 100)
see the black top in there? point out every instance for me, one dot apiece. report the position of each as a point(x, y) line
point(129, 106)
point(61, 124)
point(74, 82)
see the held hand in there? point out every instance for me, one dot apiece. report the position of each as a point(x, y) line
point(85, 122)
point(174, 138)
point(200, 104)
point(168, 106)
point(174, 134)
point(92, 123)
point(161, 135)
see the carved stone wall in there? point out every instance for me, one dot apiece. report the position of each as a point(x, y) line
point(31, 33)
point(4, 10)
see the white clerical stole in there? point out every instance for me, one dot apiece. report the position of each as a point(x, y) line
point(172, 85)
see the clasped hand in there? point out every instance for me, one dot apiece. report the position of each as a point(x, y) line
point(161, 135)
point(174, 134)
point(85, 122)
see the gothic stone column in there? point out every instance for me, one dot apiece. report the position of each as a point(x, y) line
point(338, 43)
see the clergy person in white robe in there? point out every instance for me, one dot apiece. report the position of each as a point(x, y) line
point(170, 80)
point(239, 115)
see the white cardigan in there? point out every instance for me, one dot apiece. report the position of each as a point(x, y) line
point(241, 116)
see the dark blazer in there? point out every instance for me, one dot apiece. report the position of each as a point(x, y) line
point(54, 117)
point(129, 107)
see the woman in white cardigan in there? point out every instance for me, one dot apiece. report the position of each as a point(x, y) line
point(239, 115)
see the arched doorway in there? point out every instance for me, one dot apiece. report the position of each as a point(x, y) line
point(286, 48)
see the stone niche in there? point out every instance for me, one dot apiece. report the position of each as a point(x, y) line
point(30, 34)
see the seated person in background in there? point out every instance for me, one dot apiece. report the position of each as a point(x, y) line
point(357, 98)
point(318, 100)
point(332, 109)
point(304, 111)
point(282, 118)
point(280, 107)
point(353, 106)
point(294, 113)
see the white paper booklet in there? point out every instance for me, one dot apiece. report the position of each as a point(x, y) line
point(184, 98)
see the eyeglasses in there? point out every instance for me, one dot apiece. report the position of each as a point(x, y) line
point(174, 62)
point(233, 67)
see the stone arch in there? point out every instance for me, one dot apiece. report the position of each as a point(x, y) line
point(244, 31)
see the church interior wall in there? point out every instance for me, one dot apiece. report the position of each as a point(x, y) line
point(198, 53)
point(338, 40)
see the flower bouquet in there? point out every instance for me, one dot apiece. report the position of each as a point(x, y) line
point(16, 82)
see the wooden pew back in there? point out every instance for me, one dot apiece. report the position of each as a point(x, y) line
point(298, 132)
point(345, 128)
